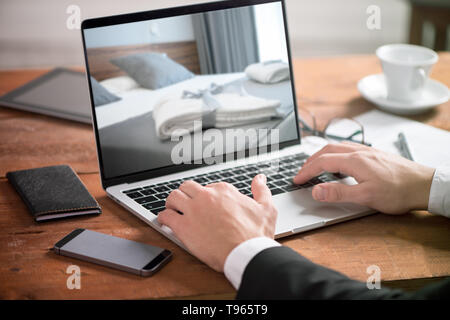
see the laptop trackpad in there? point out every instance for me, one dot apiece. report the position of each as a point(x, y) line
point(307, 205)
point(298, 209)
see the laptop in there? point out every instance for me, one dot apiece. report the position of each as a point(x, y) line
point(188, 83)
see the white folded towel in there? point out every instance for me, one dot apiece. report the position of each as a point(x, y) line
point(171, 115)
point(268, 72)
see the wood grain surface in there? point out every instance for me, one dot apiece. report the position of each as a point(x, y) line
point(411, 250)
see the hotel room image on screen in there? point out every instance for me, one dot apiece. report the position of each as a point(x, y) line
point(153, 80)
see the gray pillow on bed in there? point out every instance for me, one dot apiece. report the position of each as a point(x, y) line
point(152, 70)
point(101, 95)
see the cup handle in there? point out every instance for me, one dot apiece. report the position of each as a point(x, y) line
point(419, 78)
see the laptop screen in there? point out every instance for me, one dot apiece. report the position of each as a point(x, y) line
point(190, 88)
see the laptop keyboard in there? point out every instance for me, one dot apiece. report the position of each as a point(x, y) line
point(279, 180)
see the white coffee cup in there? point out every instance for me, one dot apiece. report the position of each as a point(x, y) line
point(406, 68)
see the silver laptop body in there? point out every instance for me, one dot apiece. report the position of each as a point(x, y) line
point(127, 145)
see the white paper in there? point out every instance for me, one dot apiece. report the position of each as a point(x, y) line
point(429, 145)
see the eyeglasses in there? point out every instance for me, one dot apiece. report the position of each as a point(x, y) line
point(337, 129)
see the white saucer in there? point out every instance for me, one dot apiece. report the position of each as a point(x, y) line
point(373, 88)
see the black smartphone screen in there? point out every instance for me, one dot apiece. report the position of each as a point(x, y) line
point(135, 257)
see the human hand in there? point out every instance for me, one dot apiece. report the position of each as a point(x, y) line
point(217, 218)
point(386, 182)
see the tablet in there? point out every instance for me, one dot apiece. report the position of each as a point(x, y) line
point(61, 93)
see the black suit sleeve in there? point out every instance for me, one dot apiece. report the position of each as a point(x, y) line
point(281, 273)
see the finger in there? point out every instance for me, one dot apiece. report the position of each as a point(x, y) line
point(172, 219)
point(214, 184)
point(260, 191)
point(338, 192)
point(220, 185)
point(344, 147)
point(327, 162)
point(178, 201)
point(356, 144)
point(191, 188)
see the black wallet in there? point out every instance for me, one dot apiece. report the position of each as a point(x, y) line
point(53, 192)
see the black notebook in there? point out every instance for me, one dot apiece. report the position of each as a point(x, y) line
point(53, 192)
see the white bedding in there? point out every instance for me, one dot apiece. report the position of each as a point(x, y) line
point(139, 101)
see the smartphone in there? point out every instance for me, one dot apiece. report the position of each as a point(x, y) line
point(126, 255)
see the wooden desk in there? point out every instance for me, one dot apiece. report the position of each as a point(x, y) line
point(410, 250)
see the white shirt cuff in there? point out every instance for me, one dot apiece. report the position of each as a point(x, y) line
point(240, 257)
point(439, 201)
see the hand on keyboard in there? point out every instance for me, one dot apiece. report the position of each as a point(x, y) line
point(386, 182)
point(217, 217)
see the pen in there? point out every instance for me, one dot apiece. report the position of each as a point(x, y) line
point(404, 147)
